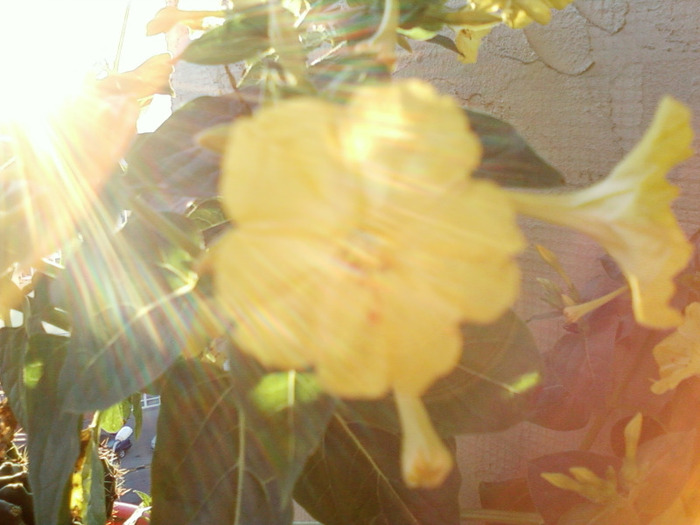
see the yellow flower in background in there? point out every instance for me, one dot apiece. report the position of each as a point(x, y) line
point(360, 245)
point(468, 41)
point(520, 13)
point(678, 355)
point(629, 214)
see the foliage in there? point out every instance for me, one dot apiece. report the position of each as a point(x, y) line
point(136, 303)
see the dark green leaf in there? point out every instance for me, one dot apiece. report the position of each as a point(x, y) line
point(447, 43)
point(492, 388)
point(114, 417)
point(209, 466)
point(355, 477)
point(287, 410)
point(93, 477)
point(134, 307)
point(13, 350)
point(53, 436)
point(507, 158)
point(167, 168)
point(242, 37)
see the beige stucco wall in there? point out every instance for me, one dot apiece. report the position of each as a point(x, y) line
point(582, 91)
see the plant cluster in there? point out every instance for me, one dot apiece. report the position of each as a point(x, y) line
point(316, 273)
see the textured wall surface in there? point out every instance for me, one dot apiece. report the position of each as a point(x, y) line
point(582, 91)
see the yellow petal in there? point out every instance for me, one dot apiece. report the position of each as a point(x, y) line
point(468, 41)
point(425, 460)
point(263, 280)
point(409, 143)
point(349, 362)
point(418, 331)
point(465, 250)
point(629, 214)
point(283, 167)
point(678, 355)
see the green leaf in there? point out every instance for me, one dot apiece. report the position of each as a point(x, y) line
point(167, 168)
point(53, 435)
point(13, 350)
point(242, 37)
point(134, 308)
point(507, 158)
point(492, 387)
point(355, 477)
point(288, 411)
point(29, 368)
point(209, 465)
point(93, 478)
point(113, 418)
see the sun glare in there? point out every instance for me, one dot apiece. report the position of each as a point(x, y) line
point(49, 48)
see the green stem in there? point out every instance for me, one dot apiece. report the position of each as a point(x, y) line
point(502, 516)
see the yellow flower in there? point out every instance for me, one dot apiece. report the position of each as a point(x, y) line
point(468, 41)
point(520, 13)
point(629, 213)
point(168, 17)
point(678, 355)
point(360, 245)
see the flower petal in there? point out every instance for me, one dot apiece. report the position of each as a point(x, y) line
point(418, 332)
point(263, 280)
point(345, 320)
point(408, 143)
point(465, 250)
point(283, 167)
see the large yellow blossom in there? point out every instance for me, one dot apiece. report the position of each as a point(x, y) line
point(360, 244)
point(629, 214)
point(678, 355)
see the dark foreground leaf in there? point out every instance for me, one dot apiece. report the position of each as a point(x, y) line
point(133, 304)
point(508, 159)
point(354, 477)
point(31, 366)
point(493, 387)
point(227, 454)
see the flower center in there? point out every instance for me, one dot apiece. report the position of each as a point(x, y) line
point(365, 252)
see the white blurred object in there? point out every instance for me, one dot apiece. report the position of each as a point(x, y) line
point(123, 434)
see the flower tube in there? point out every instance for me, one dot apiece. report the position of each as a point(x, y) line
point(629, 214)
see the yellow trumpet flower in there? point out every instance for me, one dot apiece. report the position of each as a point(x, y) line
point(678, 355)
point(360, 244)
point(629, 214)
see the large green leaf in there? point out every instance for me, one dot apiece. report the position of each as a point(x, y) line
point(167, 167)
point(13, 350)
point(228, 454)
point(53, 435)
point(29, 368)
point(355, 477)
point(508, 159)
point(242, 37)
point(134, 307)
point(288, 411)
point(493, 387)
